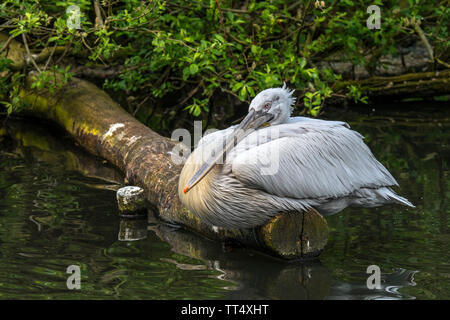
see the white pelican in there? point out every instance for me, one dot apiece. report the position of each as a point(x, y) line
point(274, 163)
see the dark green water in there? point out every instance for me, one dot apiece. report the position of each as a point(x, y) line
point(55, 211)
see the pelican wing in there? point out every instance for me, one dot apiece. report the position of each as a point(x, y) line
point(307, 159)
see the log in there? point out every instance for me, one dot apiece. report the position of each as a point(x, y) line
point(420, 84)
point(103, 128)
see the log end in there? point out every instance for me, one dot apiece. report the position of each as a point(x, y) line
point(131, 201)
point(296, 235)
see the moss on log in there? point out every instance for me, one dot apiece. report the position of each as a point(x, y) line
point(102, 127)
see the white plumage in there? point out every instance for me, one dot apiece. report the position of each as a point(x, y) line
point(292, 165)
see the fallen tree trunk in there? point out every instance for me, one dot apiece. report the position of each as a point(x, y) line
point(102, 127)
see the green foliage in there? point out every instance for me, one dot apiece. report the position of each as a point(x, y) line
point(11, 82)
point(10, 85)
point(55, 78)
point(356, 94)
point(14, 103)
point(238, 47)
point(197, 107)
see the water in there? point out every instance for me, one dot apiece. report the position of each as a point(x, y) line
point(58, 208)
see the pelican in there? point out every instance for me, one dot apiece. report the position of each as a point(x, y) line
point(242, 176)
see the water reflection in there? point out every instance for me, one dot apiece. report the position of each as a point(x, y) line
point(256, 276)
point(132, 229)
point(391, 283)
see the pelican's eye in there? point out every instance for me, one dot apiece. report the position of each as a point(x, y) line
point(267, 106)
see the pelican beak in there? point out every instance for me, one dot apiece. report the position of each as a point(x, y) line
point(252, 121)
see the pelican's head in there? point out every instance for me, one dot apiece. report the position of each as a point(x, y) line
point(274, 104)
point(269, 107)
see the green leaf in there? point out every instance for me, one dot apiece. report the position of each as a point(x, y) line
point(251, 91)
point(193, 68)
point(220, 38)
point(197, 111)
point(243, 93)
point(186, 73)
point(237, 86)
